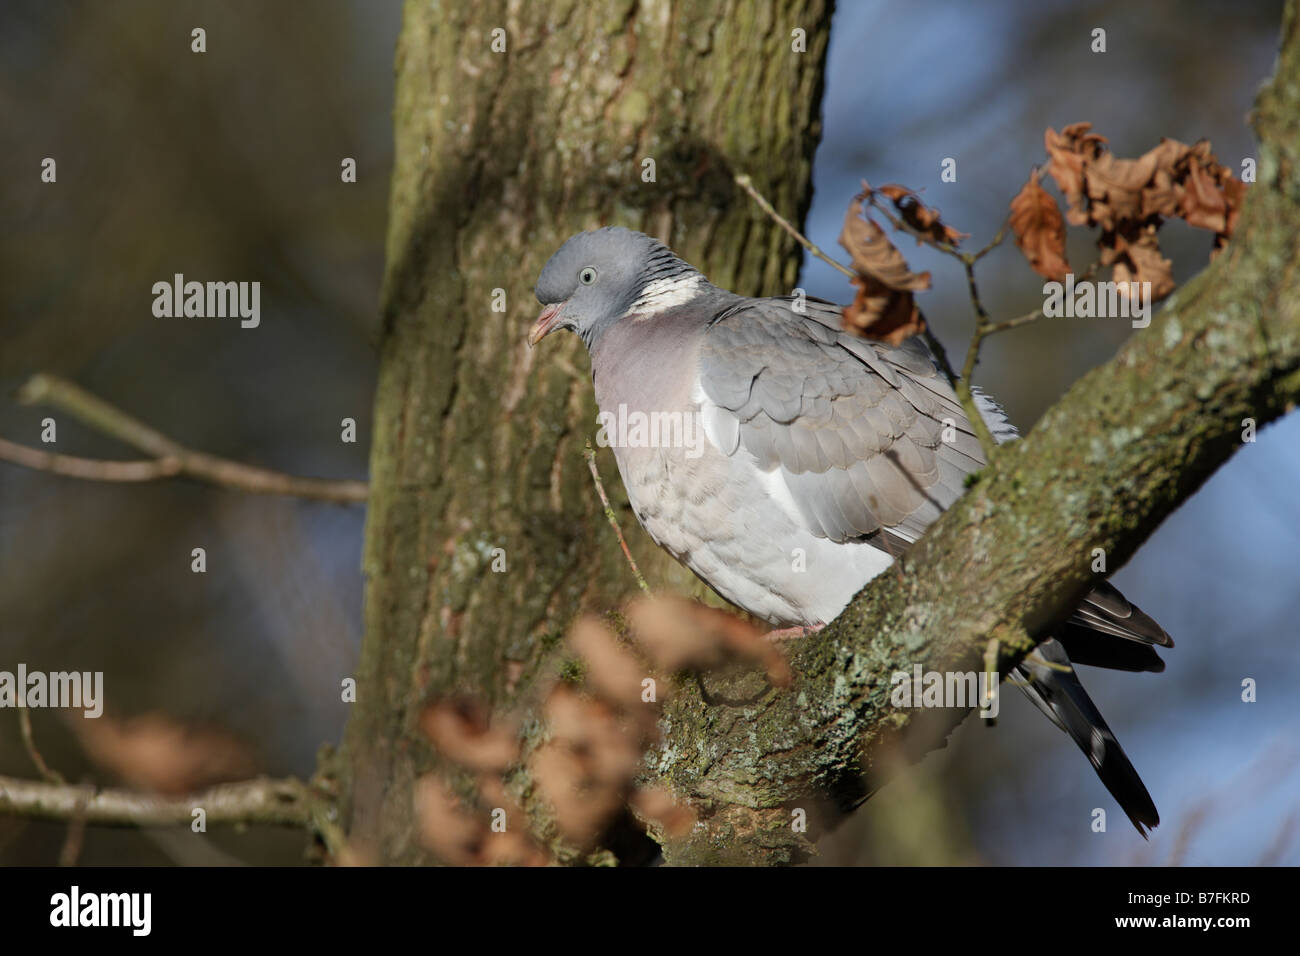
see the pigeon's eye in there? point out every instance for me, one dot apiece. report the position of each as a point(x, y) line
point(587, 276)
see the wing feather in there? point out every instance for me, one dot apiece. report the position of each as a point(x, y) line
point(854, 429)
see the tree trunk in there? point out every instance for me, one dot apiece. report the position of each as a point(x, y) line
point(478, 446)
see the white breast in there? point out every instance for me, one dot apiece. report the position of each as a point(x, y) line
point(740, 530)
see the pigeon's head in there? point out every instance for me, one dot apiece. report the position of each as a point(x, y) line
point(598, 277)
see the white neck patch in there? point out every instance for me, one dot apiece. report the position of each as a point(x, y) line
point(663, 294)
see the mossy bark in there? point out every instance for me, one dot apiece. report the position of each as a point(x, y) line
point(477, 457)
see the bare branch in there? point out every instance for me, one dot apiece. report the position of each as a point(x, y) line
point(964, 392)
point(169, 455)
point(76, 836)
point(48, 774)
point(613, 519)
point(286, 802)
point(747, 184)
point(92, 469)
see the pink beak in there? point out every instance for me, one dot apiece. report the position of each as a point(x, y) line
point(544, 325)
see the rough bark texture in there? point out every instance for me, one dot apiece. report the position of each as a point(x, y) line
point(1124, 447)
point(478, 444)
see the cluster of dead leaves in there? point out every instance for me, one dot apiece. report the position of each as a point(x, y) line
point(1129, 199)
point(883, 307)
point(587, 763)
point(457, 832)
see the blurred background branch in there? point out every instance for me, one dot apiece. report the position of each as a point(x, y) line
point(171, 458)
point(286, 802)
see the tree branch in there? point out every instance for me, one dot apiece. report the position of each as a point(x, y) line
point(613, 518)
point(1126, 446)
point(91, 469)
point(171, 458)
point(48, 774)
point(747, 184)
point(286, 802)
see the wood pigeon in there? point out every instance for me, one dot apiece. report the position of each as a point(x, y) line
point(787, 462)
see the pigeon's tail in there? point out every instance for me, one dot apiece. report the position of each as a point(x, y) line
point(1050, 682)
point(1109, 630)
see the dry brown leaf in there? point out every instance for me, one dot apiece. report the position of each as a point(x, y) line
point(446, 828)
point(1114, 187)
point(461, 730)
point(1234, 192)
point(1203, 205)
point(1140, 261)
point(155, 752)
point(919, 216)
point(511, 848)
point(612, 669)
point(582, 807)
point(883, 308)
point(1163, 196)
point(658, 805)
point(679, 633)
point(1067, 151)
point(587, 767)
point(461, 837)
point(872, 253)
point(669, 635)
point(1039, 229)
point(591, 728)
point(881, 313)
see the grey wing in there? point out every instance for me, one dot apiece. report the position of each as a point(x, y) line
point(870, 440)
point(867, 439)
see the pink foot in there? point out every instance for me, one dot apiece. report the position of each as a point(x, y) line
point(788, 633)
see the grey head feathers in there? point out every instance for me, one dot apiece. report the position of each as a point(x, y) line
point(599, 276)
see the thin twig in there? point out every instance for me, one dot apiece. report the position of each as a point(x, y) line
point(939, 352)
point(612, 518)
point(1015, 323)
point(92, 469)
point(76, 830)
point(745, 183)
point(286, 802)
point(1037, 313)
point(48, 773)
point(112, 421)
point(332, 836)
point(994, 242)
point(992, 653)
point(964, 391)
point(960, 384)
